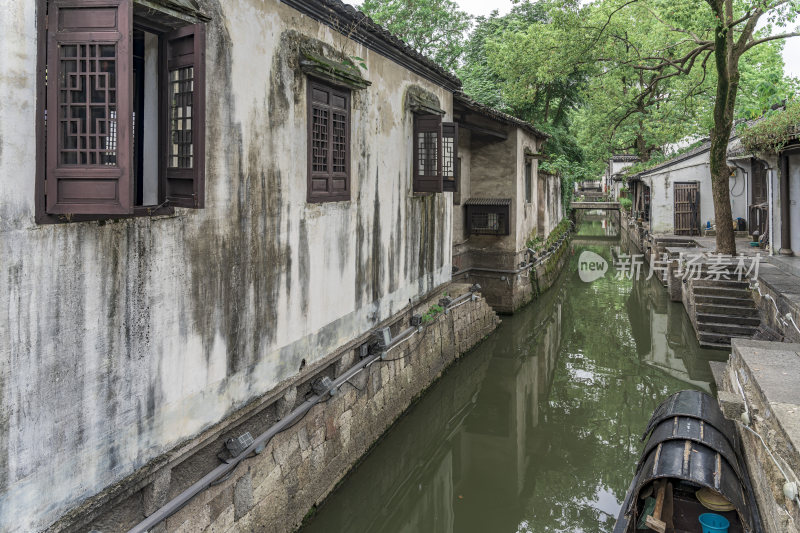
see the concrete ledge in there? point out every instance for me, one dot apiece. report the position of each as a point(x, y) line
point(767, 374)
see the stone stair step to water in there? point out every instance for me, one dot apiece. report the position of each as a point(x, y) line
point(723, 309)
point(732, 292)
point(714, 318)
point(724, 300)
point(732, 330)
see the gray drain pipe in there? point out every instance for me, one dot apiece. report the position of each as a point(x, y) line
point(174, 505)
point(224, 469)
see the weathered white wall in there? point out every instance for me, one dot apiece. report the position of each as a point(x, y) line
point(695, 169)
point(526, 213)
point(662, 197)
point(463, 194)
point(794, 202)
point(120, 340)
point(740, 190)
point(495, 174)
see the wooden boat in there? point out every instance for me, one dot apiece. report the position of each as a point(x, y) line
point(691, 448)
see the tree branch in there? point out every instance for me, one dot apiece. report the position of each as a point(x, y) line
point(751, 44)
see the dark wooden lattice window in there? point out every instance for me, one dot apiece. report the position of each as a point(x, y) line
point(428, 153)
point(488, 216)
point(328, 143)
point(92, 78)
point(450, 166)
point(185, 165)
point(89, 108)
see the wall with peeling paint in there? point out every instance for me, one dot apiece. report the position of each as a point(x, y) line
point(119, 340)
point(526, 213)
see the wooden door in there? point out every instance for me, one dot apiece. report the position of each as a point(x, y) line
point(687, 209)
point(758, 184)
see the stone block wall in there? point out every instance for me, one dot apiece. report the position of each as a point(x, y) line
point(274, 490)
point(783, 291)
point(764, 371)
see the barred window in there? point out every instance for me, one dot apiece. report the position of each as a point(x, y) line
point(488, 216)
point(328, 143)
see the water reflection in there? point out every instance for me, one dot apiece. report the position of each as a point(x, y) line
point(537, 430)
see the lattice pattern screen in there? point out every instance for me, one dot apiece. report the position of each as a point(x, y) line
point(339, 143)
point(181, 87)
point(448, 158)
point(487, 223)
point(87, 97)
point(319, 133)
point(427, 145)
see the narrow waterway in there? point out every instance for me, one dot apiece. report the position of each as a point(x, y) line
point(537, 429)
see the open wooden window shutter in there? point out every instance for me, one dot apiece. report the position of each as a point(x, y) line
point(427, 153)
point(184, 73)
point(89, 107)
point(450, 157)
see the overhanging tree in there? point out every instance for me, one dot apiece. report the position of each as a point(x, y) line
point(717, 44)
point(436, 28)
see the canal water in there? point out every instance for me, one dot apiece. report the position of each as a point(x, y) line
point(537, 429)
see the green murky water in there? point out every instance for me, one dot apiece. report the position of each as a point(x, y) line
point(537, 429)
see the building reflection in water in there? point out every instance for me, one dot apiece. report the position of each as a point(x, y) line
point(537, 429)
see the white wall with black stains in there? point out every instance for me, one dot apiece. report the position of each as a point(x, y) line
point(122, 339)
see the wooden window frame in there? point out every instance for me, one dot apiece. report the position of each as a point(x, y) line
point(503, 211)
point(317, 196)
point(528, 181)
point(427, 182)
point(164, 207)
point(450, 131)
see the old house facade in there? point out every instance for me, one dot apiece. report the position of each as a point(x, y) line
point(205, 204)
point(678, 193)
point(209, 209)
point(502, 201)
point(612, 181)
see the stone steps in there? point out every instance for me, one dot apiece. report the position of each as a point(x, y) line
point(731, 330)
point(714, 340)
point(725, 301)
point(722, 283)
point(724, 309)
point(730, 310)
point(716, 318)
point(733, 292)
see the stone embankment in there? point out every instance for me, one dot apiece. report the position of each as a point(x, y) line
point(275, 489)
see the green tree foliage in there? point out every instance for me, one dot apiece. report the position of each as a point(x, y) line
point(632, 76)
point(774, 131)
point(436, 28)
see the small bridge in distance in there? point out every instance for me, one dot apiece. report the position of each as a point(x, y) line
point(605, 206)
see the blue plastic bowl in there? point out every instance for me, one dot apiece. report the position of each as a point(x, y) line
point(714, 523)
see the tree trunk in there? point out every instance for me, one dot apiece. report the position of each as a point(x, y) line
point(727, 67)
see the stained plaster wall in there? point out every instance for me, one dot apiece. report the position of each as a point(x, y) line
point(693, 169)
point(119, 340)
point(553, 209)
point(494, 173)
point(526, 213)
point(459, 211)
